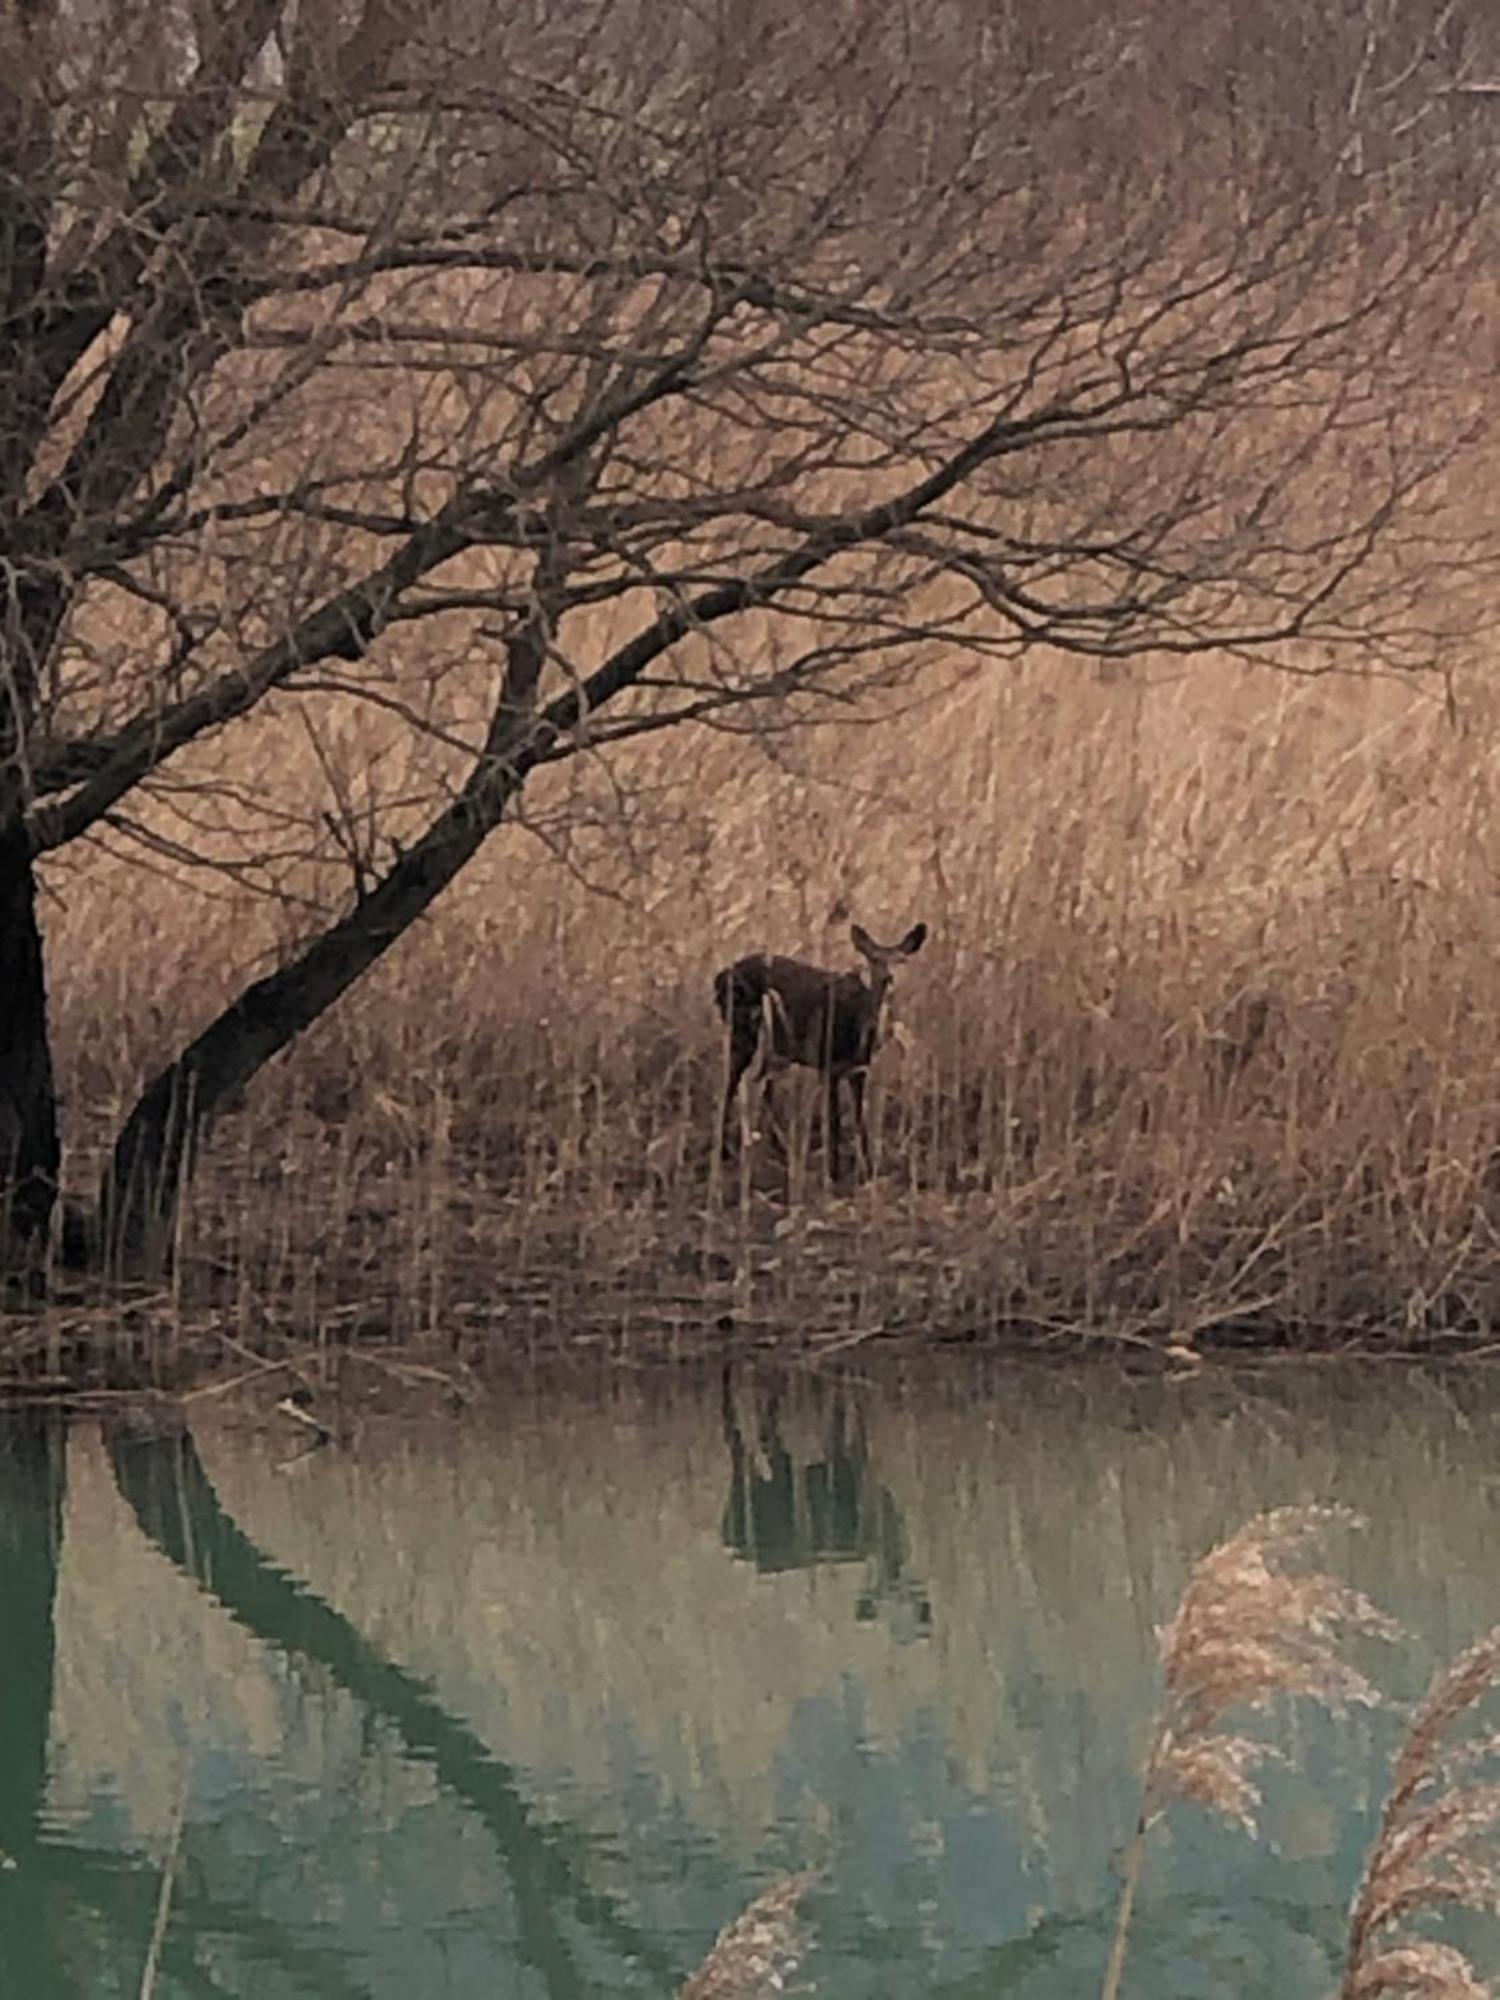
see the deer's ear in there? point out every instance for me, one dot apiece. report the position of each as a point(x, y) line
point(863, 942)
point(914, 940)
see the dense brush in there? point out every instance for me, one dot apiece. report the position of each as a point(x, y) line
point(1206, 1034)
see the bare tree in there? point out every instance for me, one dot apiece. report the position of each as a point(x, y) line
point(543, 381)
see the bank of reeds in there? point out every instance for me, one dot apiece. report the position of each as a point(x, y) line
point(1204, 1043)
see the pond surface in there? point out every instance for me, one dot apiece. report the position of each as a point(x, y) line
point(532, 1698)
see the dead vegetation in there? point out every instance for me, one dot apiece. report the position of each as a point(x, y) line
point(488, 637)
point(1256, 1625)
point(1204, 1041)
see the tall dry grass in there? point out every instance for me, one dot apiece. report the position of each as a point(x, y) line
point(1255, 1625)
point(1204, 1038)
point(1251, 1626)
point(1434, 1850)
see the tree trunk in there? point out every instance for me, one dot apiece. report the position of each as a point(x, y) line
point(153, 1154)
point(29, 1152)
point(143, 1184)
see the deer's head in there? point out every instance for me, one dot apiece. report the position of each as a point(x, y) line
point(882, 958)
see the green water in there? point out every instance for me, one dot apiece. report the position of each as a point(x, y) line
point(529, 1699)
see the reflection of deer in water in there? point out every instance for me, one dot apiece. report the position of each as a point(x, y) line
point(789, 1013)
point(782, 1514)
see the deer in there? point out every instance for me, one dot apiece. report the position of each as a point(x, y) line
point(791, 1014)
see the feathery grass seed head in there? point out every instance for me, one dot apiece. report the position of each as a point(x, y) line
point(1435, 1848)
point(759, 1950)
point(1250, 1627)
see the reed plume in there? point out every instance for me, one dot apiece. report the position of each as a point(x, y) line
point(1430, 1852)
point(1249, 1627)
point(757, 1953)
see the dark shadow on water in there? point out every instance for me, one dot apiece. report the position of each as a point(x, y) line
point(33, 1446)
point(69, 1909)
point(785, 1512)
point(163, 1481)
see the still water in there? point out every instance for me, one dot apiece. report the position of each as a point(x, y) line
point(529, 1699)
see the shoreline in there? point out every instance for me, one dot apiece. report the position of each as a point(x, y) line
point(127, 1342)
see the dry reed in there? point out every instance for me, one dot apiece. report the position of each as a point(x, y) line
point(1433, 1850)
point(1250, 1626)
point(757, 1953)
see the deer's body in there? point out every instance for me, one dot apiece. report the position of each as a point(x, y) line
point(790, 1013)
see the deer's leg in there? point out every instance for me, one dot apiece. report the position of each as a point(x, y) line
point(741, 1055)
point(773, 1116)
point(863, 1159)
point(835, 1147)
